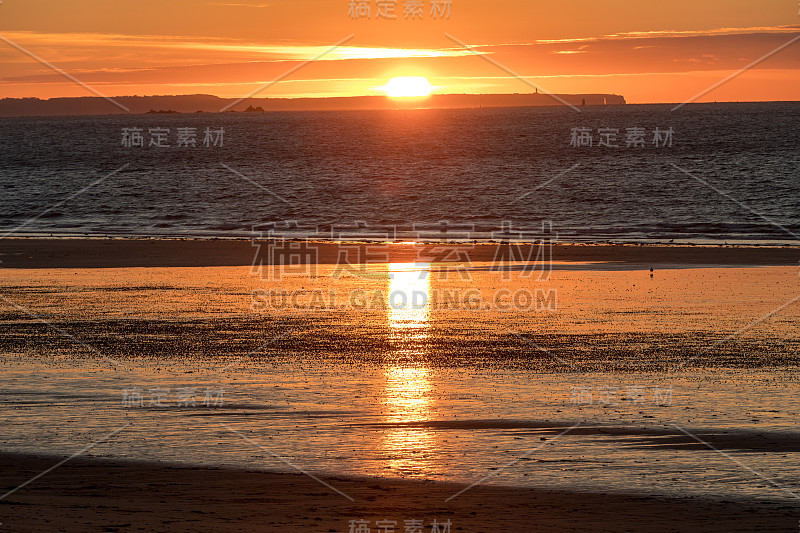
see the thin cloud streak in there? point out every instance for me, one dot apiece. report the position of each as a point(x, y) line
point(265, 51)
point(660, 34)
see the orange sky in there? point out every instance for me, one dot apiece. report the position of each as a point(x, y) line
point(647, 51)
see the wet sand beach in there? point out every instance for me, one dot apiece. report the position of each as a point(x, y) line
point(631, 401)
point(103, 495)
point(108, 253)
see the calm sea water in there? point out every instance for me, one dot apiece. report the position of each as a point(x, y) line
point(402, 174)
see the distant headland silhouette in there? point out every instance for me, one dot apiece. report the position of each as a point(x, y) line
point(91, 105)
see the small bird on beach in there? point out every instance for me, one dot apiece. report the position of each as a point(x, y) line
point(651, 272)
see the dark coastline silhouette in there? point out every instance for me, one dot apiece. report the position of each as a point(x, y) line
point(15, 107)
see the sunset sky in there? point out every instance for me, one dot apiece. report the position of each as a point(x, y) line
point(647, 51)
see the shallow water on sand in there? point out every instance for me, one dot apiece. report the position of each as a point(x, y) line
point(445, 424)
point(629, 384)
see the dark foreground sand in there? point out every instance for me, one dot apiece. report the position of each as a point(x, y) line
point(97, 253)
point(100, 495)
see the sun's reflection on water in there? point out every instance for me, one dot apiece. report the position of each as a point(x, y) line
point(408, 388)
point(409, 309)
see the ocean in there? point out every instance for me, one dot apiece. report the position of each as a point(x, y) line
point(705, 173)
point(680, 381)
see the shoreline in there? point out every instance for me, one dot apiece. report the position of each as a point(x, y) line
point(37, 253)
point(211, 104)
point(94, 493)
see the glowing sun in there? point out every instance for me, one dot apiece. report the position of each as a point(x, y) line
point(409, 86)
